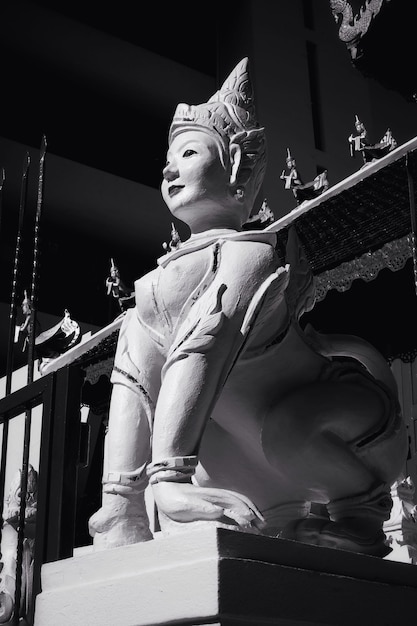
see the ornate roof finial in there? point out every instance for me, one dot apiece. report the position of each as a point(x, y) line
point(261, 220)
point(303, 191)
point(25, 327)
point(359, 142)
point(175, 240)
point(353, 27)
point(289, 157)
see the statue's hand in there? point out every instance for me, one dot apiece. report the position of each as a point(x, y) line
point(184, 502)
point(6, 606)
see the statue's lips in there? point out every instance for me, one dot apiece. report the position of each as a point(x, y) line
point(174, 189)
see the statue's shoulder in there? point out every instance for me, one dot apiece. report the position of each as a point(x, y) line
point(162, 293)
point(249, 256)
point(144, 284)
point(249, 246)
point(145, 287)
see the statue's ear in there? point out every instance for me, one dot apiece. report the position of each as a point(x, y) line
point(235, 153)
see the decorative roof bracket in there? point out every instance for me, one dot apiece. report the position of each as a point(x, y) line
point(353, 27)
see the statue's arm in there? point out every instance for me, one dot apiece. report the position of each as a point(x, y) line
point(200, 359)
point(205, 348)
point(136, 381)
point(122, 518)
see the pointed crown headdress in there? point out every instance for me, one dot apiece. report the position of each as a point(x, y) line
point(230, 116)
point(289, 156)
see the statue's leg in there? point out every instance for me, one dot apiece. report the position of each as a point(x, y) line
point(354, 524)
point(279, 516)
point(122, 518)
point(342, 442)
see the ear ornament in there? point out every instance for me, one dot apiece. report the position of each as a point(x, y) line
point(239, 193)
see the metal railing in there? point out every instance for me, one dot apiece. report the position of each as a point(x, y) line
point(59, 395)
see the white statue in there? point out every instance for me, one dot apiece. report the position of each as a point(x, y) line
point(234, 414)
point(8, 555)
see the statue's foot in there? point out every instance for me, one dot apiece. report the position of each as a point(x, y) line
point(340, 535)
point(171, 527)
point(119, 522)
point(180, 503)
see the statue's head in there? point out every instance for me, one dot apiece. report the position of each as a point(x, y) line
point(360, 127)
point(338, 6)
point(217, 153)
point(290, 161)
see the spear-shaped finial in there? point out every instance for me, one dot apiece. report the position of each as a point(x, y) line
point(43, 148)
point(2, 179)
point(35, 263)
point(9, 369)
point(31, 358)
point(289, 158)
point(175, 239)
point(16, 271)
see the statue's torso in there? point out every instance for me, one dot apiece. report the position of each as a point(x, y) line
point(232, 452)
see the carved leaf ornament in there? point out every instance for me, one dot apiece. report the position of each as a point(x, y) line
point(200, 337)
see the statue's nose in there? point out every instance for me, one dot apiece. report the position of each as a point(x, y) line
point(170, 172)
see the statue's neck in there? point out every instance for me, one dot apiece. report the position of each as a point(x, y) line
point(226, 220)
point(208, 214)
point(212, 232)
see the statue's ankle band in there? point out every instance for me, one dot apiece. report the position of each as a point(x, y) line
point(374, 505)
point(179, 464)
point(170, 476)
point(132, 479)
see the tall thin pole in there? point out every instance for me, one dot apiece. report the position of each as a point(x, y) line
point(2, 179)
point(16, 270)
point(12, 322)
point(413, 218)
point(35, 263)
point(31, 359)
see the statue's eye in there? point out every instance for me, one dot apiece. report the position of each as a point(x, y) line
point(189, 153)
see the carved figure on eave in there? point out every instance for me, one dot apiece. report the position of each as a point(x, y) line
point(175, 241)
point(401, 528)
point(303, 191)
point(233, 413)
point(57, 340)
point(23, 330)
point(117, 288)
point(263, 218)
point(359, 142)
point(353, 27)
point(9, 550)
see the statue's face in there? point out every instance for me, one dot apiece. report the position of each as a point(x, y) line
point(194, 177)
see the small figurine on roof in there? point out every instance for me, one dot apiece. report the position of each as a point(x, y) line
point(24, 329)
point(303, 191)
point(116, 288)
point(175, 240)
point(260, 220)
point(359, 139)
point(358, 142)
point(27, 312)
point(57, 340)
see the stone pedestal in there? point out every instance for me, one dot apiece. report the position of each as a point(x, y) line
point(215, 576)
